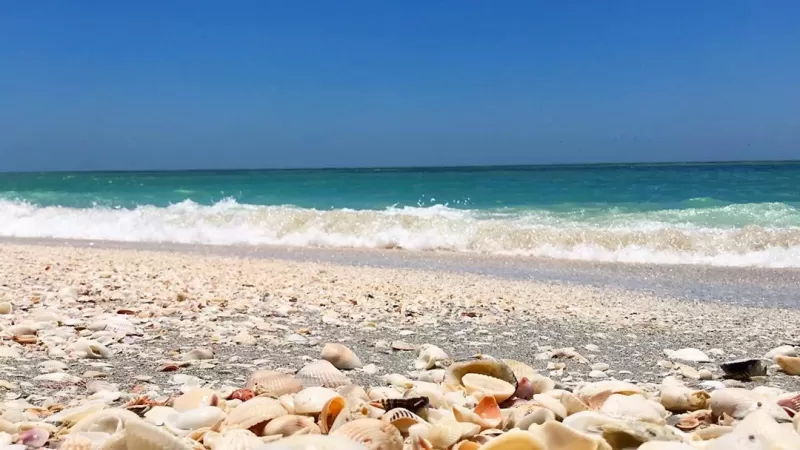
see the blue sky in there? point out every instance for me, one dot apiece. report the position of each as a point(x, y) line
point(246, 84)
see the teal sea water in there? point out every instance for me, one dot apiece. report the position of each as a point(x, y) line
point(731, 214)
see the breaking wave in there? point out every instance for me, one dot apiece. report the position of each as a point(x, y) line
point(762, 234)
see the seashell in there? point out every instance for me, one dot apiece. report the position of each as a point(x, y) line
point(589, 421)
point(757, 431)
point(402, 419)
point(313, 441)
point(51, 366)
point(198, 354)
point(330, 411)
point(275, 384)
point(688, 354)
point(397, 380)
point(525, 388)
point(789, 364)
point(108, 421)
point(5, 308)
point(486, 413)
point(666, 445)
point(467, 445)
point(340, 356)
point(34, 437)
point(551, 403)
point(20, 330)
point(514, 440)
point(481, 364)
point(374, 434)
point(140, 434)
point(429, 355)
point(735, 402)
point(557, 436)
point(254, 412)
point(71, 416)
point(86, 348)
point(321, 373)
point(195, 398)
point(790, 404)
point(783, 350)
point(84, 440)
point(744, 369)
point(241, 394)
point(234, 439)
point(526, 415)
point(311, 400)
point(157, 415)
point(632, 434)
point(487, 385)
point(180, 423)
point(8, 352)
point(26, 339)
point(59, 377)
point(572, 403)
point(541, 383)
point(413, 404)
point(693, 420)
point(634, 407)
point(676, 397)
point(290, 425)
point(711, 432)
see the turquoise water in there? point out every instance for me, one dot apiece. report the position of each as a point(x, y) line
point(722, 214)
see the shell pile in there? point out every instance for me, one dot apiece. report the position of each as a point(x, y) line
point(481, 402)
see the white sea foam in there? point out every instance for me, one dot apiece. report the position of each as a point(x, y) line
point(657, 237)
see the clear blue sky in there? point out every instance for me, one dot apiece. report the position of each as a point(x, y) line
point(200, 84)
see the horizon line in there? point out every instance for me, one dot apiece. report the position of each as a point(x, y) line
point(414, 167)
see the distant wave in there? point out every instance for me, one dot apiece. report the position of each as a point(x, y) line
point(765, 235)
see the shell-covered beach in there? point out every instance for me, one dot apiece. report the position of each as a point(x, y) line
point(129, 349)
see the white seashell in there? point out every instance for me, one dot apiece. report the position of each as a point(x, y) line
point(253, 412)
point(513, 440)
point(677, 398)
point(321, 373)
point(634, 407)
point(551, 403)
point(195, 398)
point(735, 402)
point(51, 366)
point(313, 442)
point(372, 433)
point(290, 425)
point(232, 440)
point(180, 423)
point(272, 383)
point(383, 393)
point(783, 350)
point(311, 400)
point(395, 379)
point(157, 415)
point(108, 421)
point(86, 348)
point(757, 431)
point(140, 434)
point(340, 356)
point(5, 308)
point(486, 385)
point(557, 436)
point(429, 355)
point(688, 354)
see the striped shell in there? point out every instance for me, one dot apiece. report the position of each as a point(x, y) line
point(340, 356)
point(272, 383)
point(374, 434)
point(487, 385)
point(254, 412)
point(402, 419)
point(321, 373)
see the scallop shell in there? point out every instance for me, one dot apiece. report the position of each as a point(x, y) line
point(86, 348)
point(290, 425)
point(634, 407)
point(140, 434)
point(487, 385)
point(340, 356)
point(557, 436)
point(372, 433)
point(195, 398)
point(594, 394)
point(84, 440)
point(572, 403)
point(254, 412)
point(789, 364)
point(429, 355)
point(402, 419)
point(514, 440)
point(482, 364)
point(541, 383)
point(272, 383)
point(313, 441)
point(234, 439)
point(311, 400)
point(321, 373)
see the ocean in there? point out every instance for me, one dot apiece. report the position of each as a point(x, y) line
point(723, 214)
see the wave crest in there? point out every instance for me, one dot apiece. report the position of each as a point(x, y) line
point(765, 235)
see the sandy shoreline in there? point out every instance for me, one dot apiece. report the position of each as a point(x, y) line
point(277, 313)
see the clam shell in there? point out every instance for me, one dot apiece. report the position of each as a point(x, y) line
point(374, 434)
point(254, 412)
point(757, 431)
point(195, 398)
point(402, 419)
point(589, 421)
point(71, 416)
point(484, 365)
point(789, 364)
point(321, 373)
point(514, 440)
point(340, 356)
point(634, 407)
point(313, 441)
point(524, 416)
point(541, 383)
point(290, 425)
point(87, 348)
point(486, 385)
point(312, 400)
point(486, 414)
point(140, 434)
point(274, 384)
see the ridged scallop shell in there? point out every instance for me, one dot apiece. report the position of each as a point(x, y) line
point(86, 348)
point(290, 425)
point(311, 400)
point(195, 398)
point(140, 434)
point(180, 423)
point(484, 365)
point(374, 434)
point(487, 385)
point(634, 407)
point(340, 356)
point(272, 383)
point(321, 373)
point(234, 439)
point(514, 440)
point(789, 364)
point(313, 441)
point(254, 412)
point(402, 419)
point(429, 355)
point(557, 436)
